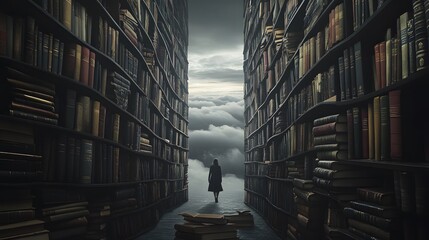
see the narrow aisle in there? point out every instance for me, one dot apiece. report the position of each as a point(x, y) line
point(202, 201)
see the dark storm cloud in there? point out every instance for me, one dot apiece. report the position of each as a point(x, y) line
point(224, 143)
point(215, 24)
point(220, 74)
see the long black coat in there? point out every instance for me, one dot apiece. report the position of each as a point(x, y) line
point(215, 179)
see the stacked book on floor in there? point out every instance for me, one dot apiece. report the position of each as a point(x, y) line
point(240, 219)
point(17, 216)
point(310, 211)
point(204, 226)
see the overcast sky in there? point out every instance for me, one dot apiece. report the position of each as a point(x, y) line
point(215, 56)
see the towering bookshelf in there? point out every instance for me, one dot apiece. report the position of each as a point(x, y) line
point(334, 93)
point(94, 116)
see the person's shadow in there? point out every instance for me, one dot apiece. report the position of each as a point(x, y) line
point(209, 208)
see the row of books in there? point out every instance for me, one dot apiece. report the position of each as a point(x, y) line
point(72, 60)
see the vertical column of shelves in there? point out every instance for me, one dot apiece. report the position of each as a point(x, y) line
point(85, 69)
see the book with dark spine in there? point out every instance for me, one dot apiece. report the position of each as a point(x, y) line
point(364, 132)
point(384, 128)
point(395, 125)
point(86, 161)
point(357, 133)
point(421, 39)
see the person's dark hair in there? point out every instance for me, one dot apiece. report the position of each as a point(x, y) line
point(215, 162)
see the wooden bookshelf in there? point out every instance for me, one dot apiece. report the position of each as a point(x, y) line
point(94, 119)
point(306, 61)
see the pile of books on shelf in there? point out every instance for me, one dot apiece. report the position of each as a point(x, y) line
point(119, 90)
point(145, 145)
point(99, 212)
point(240, 219)
point(330, 141)
point(26, 97)
point(278, 37)
point(312, 13)
point(17, 216)
point(65, 212)
point(374, 215)
point(205, 226)
point(18, 158)
point(123, 200)
point(129, 25)
point(310, 208)
point(291, 41)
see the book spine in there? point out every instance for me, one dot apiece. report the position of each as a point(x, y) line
point(384, 128)
point(364, 132)
point(70, 109)
point(353, 72)
point(60, 165)
point(411, 46)
point(370, 130)
point(404, 44)
point(95, 118)
point(421, 39)
point(86, 111)
point(70, 159)
point(377, 80)
point(377, 126)
point(86, 161)
point(367, 218)
point(395, 125)
point(91, 70)
point(84, 66)
point(78, 62)
point(357, 133)
point(69, 64)
point(388, 62)
point(382, 64)
point(360, 84)
point(347, 79)
point(55, 55)
point(30, 43)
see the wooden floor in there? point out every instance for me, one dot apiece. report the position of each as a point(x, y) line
point(230, 200)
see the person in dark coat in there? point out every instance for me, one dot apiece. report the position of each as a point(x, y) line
point(215, 179)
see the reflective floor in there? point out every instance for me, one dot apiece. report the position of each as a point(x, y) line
point(201, 201)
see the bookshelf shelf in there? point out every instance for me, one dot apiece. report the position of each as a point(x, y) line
point(79, 87)
point(94, 114)
point(269, 202)
point(390, 165)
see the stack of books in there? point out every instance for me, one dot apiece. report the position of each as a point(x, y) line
point(29, 98)
point(330, 142)
point(119, 89)
point(17, 216)
point(201, 226)
point(99, 212)
point(374, 215)
point(123, 200)
point(18, 158)
point(66, 220)
point(310, 208)
point(240, 219)
point(145, 145)
point(64, 211)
